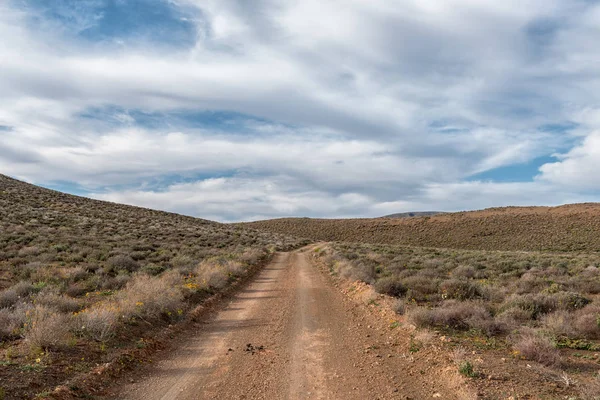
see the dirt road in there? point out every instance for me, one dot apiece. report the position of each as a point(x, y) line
point(288, 335)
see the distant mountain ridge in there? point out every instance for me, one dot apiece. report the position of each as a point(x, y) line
point(414, 214)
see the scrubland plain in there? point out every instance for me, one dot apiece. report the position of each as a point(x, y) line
point(535, 307)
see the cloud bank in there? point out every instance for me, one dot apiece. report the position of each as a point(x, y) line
point(237, 110)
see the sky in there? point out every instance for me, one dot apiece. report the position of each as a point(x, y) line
point(238, 110)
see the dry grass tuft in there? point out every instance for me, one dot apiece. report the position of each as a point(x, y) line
point(536, 347)
point(46, 328)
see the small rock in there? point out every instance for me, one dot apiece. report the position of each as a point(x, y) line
point(437, 395)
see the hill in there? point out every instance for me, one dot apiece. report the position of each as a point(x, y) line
point(81, 281)
point(574, 227)
point(45, 226)
point(413, 214)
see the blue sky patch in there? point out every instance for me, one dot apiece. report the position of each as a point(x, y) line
point(524, 172)
point(66, 187)
point(156, 21)
point(221, 121)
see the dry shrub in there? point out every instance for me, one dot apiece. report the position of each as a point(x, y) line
point(114, 283)
point(559, 323)
point(10, 323)
point(534, 304)
point(150, 298)
point(454, 315)
point(123, 262)
point(46, 328)
point(215, 272)
point(145, 297)
point(58, 302)
point(420, 286)
point(30, 251)
point(391, 286)
point(99, 323)
point(464, 271)
point(183, 263)
point(77, 274)
point(399, 307)
point(571, 301)
point(513, 317)
point(460, 289)
point(536, 347)
point(8, 298)
point(235, 268)
point(586, 321)
point(253, 256)
point(23, 289)
point(212, 274)
point(77, 289)
point(355, 271)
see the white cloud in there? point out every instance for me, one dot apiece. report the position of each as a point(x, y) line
point(368, 105)
point(577, 169)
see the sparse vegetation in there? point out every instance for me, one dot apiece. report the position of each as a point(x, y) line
point(535, 305)
point(76, 272)
point(571, 227)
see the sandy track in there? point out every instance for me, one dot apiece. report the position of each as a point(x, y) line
point(314, 346)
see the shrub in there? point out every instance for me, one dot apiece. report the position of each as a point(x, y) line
point(399, 307)
point(46, 328)
point(355, 271)
point(183, 262)
point(533, 346)
point(212, 276)
point(464, 271)
point(10, 324)
point(154, 269)
point(466, 368)
point(8, 298)
point(58, 302)
point(78, 274)
point(77, 289)
point(390, 286)
point(572, 301)
point(513, 317)
point(151, 298)
point(586, 321)
point(99, 323)
point(122, 262)
point(24, 289)
point(460, 289)
point(534, 304)
point(454, 315)
point(559, 323)
point(115, 283)
point(420, 287)
point(253, 256)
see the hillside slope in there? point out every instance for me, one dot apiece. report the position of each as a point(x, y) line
point(574, 227)
point(46, 226)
